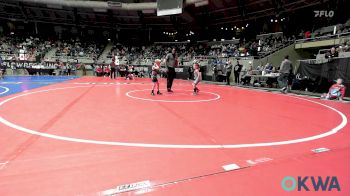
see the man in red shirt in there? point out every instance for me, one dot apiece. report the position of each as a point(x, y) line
point(307, 34)
point(106, 70)
point(336, 91)
point(99, 70)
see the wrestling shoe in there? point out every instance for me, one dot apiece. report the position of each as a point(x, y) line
point(283, 90)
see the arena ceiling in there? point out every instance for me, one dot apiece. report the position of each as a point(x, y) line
point(217, 12)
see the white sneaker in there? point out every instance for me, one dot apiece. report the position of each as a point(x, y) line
point(283, 90)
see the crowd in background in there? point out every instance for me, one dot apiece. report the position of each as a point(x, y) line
point(324, 32)
point(24, 48)
point(34, 49)
point(187, 51)
point(75, 48)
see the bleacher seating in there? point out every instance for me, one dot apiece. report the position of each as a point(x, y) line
point(31, 48)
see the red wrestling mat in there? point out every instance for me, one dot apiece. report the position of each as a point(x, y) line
point(89, 135)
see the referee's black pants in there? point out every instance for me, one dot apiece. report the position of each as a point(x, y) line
point(236, 77)
point(171, 77)
point(228, 74)
point(113, 73)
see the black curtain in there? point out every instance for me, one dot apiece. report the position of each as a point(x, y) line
point(325, 74)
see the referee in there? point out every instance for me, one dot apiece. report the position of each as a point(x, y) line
point(113, 69)
point(171, 63)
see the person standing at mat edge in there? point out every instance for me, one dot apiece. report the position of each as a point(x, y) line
point(228, 72)
point(2, 69)
point(285, 69)
point(171, 63)
point(237, 72)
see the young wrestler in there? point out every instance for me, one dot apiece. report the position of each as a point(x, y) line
point(155, 73)
point(197, 78)
point(336, 91)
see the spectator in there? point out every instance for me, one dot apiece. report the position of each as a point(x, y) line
point(268, 68)
point(2, 71)
point(99, 70)
point(215, 73)
point(84, 69)
point(237, 72)
point(228, 72)
point(247, 77)
point(69, 68)
point(190, 72)
point(106, 70)
point(333, 53)
point(130, 73)
point(307, 34)
point(93, 67)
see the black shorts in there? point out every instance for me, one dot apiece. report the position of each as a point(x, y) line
point(154, 79)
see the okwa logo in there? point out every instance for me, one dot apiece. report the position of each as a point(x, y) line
point(311, 183)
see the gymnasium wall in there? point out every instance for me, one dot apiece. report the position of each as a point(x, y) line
point(277, 57)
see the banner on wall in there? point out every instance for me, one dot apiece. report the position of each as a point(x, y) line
point(141, 69)
point(325, 74)
point(179, 70)
point(26, 64)
point(181, 74)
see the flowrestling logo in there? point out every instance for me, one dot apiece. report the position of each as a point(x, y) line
point(324, 13)
point(311, 183)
